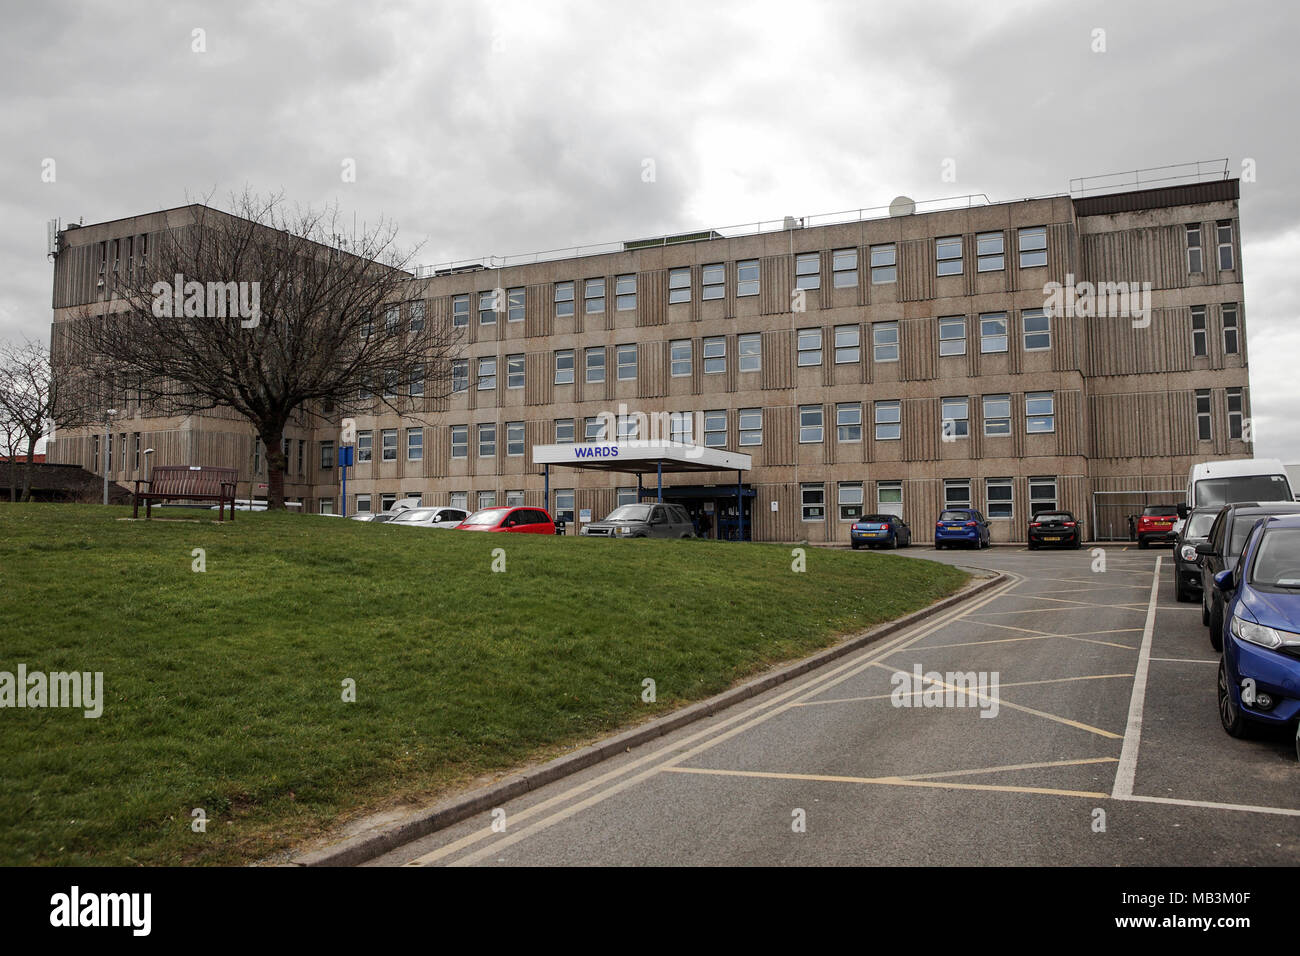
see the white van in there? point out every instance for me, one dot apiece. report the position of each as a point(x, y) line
point(1245, 479)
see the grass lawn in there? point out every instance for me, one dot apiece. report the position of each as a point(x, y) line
point(223, 689)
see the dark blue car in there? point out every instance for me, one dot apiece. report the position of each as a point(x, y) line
point(961, 526)
point(1259, 675)
point(873, 531)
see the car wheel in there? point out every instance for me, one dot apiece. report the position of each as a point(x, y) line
point(1230, 715)
point(1033, 546)
point(1142, 543)
point(1216, 626)
point(1205, 609)
point(1078, 543)
point(1180, 593)
point(854, 545)
point(893, 542)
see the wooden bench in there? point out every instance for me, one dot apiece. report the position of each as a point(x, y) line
point(188, 483)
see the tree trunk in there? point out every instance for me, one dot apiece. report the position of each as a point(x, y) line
point(27, 472)
point(276, 462)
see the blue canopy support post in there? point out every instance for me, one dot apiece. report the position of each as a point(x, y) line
point(740, 509)
point(660, 467)
point(546, 485)
point(640, 490)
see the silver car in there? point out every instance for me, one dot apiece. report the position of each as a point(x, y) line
point(651, 520)
point(430, 518)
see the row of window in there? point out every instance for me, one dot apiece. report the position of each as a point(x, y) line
point(1236, 414)
point(1200, 331)
point(956, 494)
point(1223, 240)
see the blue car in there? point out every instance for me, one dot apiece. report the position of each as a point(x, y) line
point(1259, 675)
point(961, 526)
point(875, 530)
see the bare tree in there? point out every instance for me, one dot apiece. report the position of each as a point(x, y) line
point(270, 312)
point(32, 401)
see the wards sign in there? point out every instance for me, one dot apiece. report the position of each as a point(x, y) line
point(595, 451)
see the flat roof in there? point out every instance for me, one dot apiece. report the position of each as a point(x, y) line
point(638, 457)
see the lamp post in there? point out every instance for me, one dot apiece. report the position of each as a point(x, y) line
point(108, 415)
point(147, 470)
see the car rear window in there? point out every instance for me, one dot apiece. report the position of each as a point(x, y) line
point(1159, 511)
point(878, 519)
point(955, 516)
point(414, 514)
point(1054, 516)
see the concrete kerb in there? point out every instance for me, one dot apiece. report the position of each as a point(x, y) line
point(366, 846)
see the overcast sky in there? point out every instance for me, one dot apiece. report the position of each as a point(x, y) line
point(501, 128)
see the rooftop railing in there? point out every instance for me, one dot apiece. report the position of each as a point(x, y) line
point(1201, 171)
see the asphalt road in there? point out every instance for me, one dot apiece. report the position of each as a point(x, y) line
point(1103, 747)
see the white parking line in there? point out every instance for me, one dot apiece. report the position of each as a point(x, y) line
point(1185, 660)
point(1127, 770)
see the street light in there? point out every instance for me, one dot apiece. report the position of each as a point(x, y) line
point(147, 470)
point(108, 414)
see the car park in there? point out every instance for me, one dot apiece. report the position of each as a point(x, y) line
point(430, 518)
point(1156, 523)
point(873, 531)
point(515, 520)
point(1187, 563)
point(645, 520)
point(961, 526)
point(1259, 673)
point(1059, 529)
point(1221, 550)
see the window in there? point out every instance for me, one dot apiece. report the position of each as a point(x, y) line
point(997, 492)
point(564, 367)
point(997, 415)
point(681, 357)
point(679, 285)
point(514, 499)
point(392, 319)
point(713, 279)
point(751, 426)
point(1040, 412)
point(514, 439)
point(956, 418)
point(593, 429)
point(848, 422)
point(487, 440)
point(810, 424)
point(813, 499)
point(459, 375)
point(595, 361)
point(414, 444)
point(625, 496)
point(844, 268)
point(1235, 413)
point(1223, 232)
point(750, 350)
point(889, 498)
point(459, 441)
point(810, 347)
point(1042, 495)
point(94, 454)
point(515, 305)
point(487, 313)
point(388, 446)
point(459, 500)
point(747, 277)
point(956, 493)
point(626, 355)
point(1200, 344)
point(947, 252)
point(487, 499)
point(325, 505)
point(564, 504)
point(563, 298)
point(993, 332)
point(847, 347)
point(990, 252)
point(1203, 414)
point(136, 452)
point(387, 501)
point(593, 294)
point(326, 455)
point(487, 374)
point(1194, 259)
point(627, 428)
point(391, 380)
point(715, 355)
point(884, 342)
point(850, 496)
point(1038, 330)
point(365, 446)
point(952, 335)
point(715, 428)
point(302, 453)
point(625, 293)
point(1033, 247)
point(564, 431)
point(808, 271)
point(417, 315)
point(364, 393)
point(1231, 340)
point(680, 428)
point(415, 387)
point(460, 310)
point(889, 421)
point(884, 263)
point(367, 327)
point(363, 504)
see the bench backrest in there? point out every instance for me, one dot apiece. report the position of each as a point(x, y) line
point(181, 480)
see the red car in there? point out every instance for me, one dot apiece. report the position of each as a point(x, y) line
point(1156, 523)
point(518, 520)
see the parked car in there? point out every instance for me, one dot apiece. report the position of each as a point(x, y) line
point(1259, 674)
point(1058, 529)
point(646, 520)
point(379, 516)
point(875, 530)
point(1219, 483)
point(1220, 551)
point(517, 520)
point(430, 517)
point(1187, 563)
point(961, 526)
point(1156, 523)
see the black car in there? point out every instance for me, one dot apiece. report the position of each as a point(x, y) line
point(1054, 529)
point(1187, 563)
point(874, 530)
point(1220, 551)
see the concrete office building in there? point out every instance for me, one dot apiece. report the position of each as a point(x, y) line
point(898, 363)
